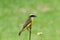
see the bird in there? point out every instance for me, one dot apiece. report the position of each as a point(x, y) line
point(28, 23)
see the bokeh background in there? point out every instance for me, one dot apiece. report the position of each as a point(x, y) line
point(13, 14)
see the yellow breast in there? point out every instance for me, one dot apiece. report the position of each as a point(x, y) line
point(32, 19)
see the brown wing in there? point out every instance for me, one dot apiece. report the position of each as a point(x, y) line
point(26, 23)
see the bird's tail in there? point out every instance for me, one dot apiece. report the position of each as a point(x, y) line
point(20, 32)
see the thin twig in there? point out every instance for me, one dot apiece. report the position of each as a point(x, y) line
point(30, 34)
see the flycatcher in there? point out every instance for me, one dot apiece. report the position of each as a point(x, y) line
point(28, 23)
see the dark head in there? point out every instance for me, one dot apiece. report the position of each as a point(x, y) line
point(32, 15)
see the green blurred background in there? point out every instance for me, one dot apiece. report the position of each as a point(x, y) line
point(13, 14)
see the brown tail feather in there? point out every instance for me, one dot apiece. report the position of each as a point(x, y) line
point(20, 32)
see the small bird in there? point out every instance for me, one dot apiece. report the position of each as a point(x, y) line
point(28, 23)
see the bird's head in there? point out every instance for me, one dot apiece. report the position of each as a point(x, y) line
point(32, 15)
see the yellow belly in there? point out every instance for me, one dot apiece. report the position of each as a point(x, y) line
point(29, 24)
